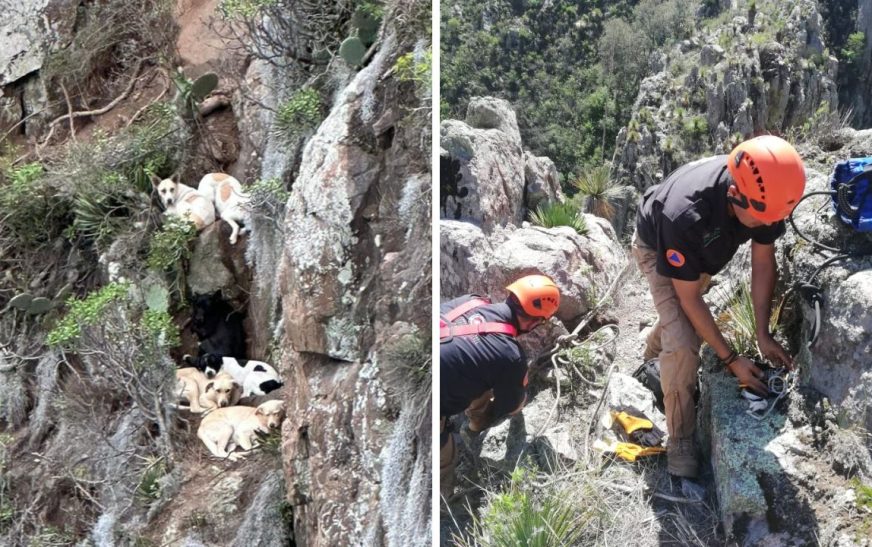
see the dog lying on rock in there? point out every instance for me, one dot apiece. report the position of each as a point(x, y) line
point(230, 201)
point(225, 429)
point(203, 394)
point(255, 377)
point(183, 201)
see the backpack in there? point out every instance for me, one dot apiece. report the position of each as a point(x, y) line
point(851, 183)
point(648, 375)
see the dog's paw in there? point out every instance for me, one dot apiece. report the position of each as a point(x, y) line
point(236, 456)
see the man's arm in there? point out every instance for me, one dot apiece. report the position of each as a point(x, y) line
point(764, 274)
point(700, 317)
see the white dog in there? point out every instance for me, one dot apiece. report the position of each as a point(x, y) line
point(203, 394)
point(229, 199)
point(183, 201)
point(226, 428)
point(255, 377)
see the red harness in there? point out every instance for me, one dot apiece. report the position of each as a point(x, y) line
point(448, 330)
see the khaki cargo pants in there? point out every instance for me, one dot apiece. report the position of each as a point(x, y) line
point(675, 341)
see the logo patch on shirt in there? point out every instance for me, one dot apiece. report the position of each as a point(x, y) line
point(675, 258)
point(711, 236)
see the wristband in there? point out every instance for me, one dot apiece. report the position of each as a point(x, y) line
point(730, 358)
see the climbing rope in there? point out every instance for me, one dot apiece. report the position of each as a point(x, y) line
point(808, 289)
point(569, 341)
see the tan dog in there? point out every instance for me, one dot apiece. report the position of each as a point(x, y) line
point(229, 199)
point(226, 428)
point(183, 201)
point(203, 394)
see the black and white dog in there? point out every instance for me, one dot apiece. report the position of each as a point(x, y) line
point(255, 377)
point(219, 330)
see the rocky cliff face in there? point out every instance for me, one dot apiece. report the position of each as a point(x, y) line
point(748, 72)
point(355, 285)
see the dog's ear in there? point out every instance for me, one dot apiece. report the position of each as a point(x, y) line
point(270, 385)
point(210, 386)
point(258, 411)
point(175, 177)
point(155, 180)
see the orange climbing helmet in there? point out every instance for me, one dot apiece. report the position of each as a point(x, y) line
point(769, 174)
point(537, 294)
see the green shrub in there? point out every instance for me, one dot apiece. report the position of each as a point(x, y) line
point(237, 9)
point(87, 311)
point(862, 493)
point(171, 245)
point(160, 326)
point(268, 198)
point(299, 114)
point(521, 516)
point(559, 214)
point(32, 211)
point(853, 50)
point(412, 67)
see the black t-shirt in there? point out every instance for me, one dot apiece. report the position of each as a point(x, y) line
point(471, 365)
point(686, 221)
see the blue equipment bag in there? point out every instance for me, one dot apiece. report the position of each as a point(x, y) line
point(852, 183)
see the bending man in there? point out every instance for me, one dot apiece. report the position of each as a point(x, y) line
point(483, 368)
point(687, 229)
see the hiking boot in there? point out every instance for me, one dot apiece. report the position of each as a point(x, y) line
point(681, 457)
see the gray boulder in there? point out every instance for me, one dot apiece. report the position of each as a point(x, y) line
point(542, 181)
point(837, 364)
point(216, 265)
point(482, 179)
point(493, 113)
point(581, 265)
point(28, 31)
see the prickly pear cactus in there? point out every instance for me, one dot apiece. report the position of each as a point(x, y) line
point(204, 85)
point(352, 50)
point(21, 301)
point(39, 305)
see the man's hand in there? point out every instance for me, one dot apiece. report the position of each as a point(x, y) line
point(773, 351)
point(748, 374)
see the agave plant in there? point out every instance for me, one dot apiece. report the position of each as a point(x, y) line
point(559, 214)
point(599, 190)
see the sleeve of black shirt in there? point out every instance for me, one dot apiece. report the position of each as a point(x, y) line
point(766, 235)
point(678, 251)
point(509, 391)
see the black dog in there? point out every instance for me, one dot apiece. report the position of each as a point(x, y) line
point(219, 329)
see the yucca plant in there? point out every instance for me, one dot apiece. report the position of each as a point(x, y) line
point(559, 214)
point(599, 191)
